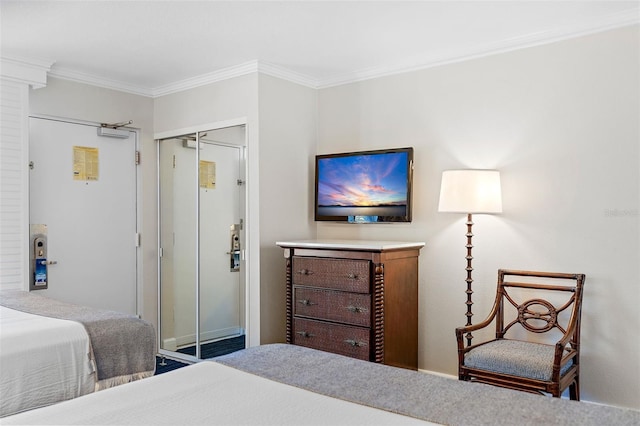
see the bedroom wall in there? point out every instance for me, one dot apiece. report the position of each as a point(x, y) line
point(281, 137)
point(561, 123)
point(231, 99)
point(288, 115)
point(66, 99)
point(286, 130)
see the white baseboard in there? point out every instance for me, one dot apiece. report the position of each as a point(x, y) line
point(169, 344)
point(437, 373)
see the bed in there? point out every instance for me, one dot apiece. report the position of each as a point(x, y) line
point(283, 384)
point(52, 351)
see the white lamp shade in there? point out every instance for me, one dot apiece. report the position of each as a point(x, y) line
point(470, 191)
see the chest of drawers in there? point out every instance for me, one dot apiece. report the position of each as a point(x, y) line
point(355, 298)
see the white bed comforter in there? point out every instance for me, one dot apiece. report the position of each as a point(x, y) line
point(208, 393)
point(42, 361)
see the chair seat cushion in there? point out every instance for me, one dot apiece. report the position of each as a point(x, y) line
point(516, 358)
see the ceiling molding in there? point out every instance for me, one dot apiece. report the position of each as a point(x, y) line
point(599, 24)
point(204, 79)
point(190, 83)
point(79, 77)
point(29, 71)
point(617, 20)
point(286, 74)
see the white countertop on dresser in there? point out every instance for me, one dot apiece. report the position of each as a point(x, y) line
point(351, 244)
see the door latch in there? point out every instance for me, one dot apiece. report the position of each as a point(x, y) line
point(234, 252)
point(39, 262)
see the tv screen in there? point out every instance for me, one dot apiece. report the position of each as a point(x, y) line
point(364, 187)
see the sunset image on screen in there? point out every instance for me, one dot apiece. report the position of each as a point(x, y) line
point(375, 184)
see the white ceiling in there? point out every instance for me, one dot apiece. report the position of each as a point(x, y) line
point(155, 47)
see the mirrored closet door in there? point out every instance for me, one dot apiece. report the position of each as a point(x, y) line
point(202, 282)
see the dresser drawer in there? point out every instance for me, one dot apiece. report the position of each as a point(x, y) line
point(341, 339)
point(338, 274)
point(338, 306)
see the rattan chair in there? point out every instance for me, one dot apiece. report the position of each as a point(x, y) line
point(526, 360)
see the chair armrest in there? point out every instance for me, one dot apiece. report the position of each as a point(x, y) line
point(568, 335)
point(562, 353)
point(487, 321)
point(474, 327)
point(461, 331)
point(560, 357)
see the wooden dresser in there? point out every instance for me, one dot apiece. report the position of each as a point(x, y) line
point(355, 298)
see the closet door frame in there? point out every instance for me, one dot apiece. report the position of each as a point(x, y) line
point(252, 286)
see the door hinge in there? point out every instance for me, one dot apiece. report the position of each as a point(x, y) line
point(174, 161)
point(138, 239)
point(137, 157)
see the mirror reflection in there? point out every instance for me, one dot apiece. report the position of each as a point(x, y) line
point(202, 277)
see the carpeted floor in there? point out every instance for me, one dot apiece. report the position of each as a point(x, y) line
point(209, 350)
point(170, 364)
point(219, 348)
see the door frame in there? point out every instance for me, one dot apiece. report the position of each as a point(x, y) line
point(138, 213)
point(251, 287)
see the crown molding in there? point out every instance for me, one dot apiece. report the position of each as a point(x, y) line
point(204, 79)
point(153, 92)
point(236, 71)
point(189, 83)
point(24, 70)
point(93, 80)
point(600, 24)
point(287, 74)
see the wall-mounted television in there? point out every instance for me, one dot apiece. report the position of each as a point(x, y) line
point(364, 187)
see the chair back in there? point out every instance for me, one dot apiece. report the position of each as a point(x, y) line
point(555, 303)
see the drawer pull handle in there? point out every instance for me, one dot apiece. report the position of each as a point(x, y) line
point(352, 276)
point(304, 334)
point(305, 272)
point(306, 302)
point(355, 343)
point(356, 309)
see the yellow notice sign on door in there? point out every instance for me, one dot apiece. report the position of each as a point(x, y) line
point(85, 163)
point(207, 174)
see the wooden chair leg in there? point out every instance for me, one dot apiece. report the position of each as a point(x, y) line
point(574, 390)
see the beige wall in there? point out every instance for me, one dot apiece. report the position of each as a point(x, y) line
point(281, 131)
point(561, 123)
point(224, 100)
point(287, 148)
point(228, 100)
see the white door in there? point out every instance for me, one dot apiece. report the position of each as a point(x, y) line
point(220, 284)
point(83, 188)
